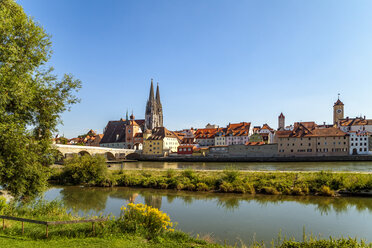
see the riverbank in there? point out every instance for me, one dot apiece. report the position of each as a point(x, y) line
point(234, 181)
point(256, 159)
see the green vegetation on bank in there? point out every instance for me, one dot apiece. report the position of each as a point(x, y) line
point(92, 171)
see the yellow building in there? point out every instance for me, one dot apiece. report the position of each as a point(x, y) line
point(160, 143)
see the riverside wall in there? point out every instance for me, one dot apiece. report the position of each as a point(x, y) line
point(256, 159)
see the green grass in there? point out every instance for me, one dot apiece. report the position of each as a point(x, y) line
point(234, 181)
point(12, 241)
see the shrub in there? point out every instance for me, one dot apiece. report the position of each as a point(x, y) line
point(226, 187)
point(326, 191)
point(297, 191)
point(270, 191)
point(231, 175)
point(3, 205)
point(249, 188)
point(170, 173)
point(143, 218)
point(189, 173)
point(85, 169)
point(202, 187)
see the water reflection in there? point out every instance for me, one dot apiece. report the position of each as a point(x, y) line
point(230, 217)
point(285, 166)
point(94, 199)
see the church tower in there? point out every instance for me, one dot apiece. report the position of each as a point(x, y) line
point(338, 111)
point(154, 109)
point(159, 107)
point(281, 122)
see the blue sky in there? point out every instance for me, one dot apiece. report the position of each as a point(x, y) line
point(215, 61)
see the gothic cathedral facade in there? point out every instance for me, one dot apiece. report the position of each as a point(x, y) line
point(154, 109)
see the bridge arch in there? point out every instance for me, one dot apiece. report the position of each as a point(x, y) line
point(110, 156)
point(83, 153)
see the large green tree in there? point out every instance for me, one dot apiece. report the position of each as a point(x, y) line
point(32, 99)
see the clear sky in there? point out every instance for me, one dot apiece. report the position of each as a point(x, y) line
point(215, 61)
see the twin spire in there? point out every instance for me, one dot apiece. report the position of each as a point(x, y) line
point(154, 109)
point(151, 96)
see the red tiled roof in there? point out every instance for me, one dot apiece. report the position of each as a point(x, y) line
point(259, 143)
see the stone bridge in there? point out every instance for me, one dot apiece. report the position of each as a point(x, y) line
point(109, 153)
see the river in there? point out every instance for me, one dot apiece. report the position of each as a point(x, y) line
point(233, 217)
point(282, 166)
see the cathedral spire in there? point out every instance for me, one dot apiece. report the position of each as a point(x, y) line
point(151, 96)
point(126, 116)
point(157, 94)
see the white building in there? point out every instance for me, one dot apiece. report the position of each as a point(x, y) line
point(359, 143)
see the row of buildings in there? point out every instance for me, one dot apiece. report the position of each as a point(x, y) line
point(345, 136)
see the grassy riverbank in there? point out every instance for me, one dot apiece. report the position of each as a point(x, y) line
point(232, 181)
point(137, 226)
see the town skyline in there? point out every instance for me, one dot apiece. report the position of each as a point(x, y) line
point(246, 61)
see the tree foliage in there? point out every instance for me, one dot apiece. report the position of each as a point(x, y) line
point(32, 99)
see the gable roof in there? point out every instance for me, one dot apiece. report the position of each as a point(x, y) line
point(114, 132)
point(160, 133)
point(238, 129)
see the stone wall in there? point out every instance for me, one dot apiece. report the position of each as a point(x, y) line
point(267, 150)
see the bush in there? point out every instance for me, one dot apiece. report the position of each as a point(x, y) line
point(231, 175)
point(85, 169)
point(189, 173)
point(226, 187)
point(326, 191)
point(3, 205)
point(170, 173)
point(270, 191)
point(202, 187)
point(143, 218)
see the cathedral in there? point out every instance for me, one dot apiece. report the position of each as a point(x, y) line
point(154, 109)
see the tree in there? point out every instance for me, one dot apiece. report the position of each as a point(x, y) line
point(32, 99)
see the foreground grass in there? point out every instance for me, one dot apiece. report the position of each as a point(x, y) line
point(92, 242)
point(138, 242)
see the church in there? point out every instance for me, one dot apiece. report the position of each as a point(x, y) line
point(126, 133)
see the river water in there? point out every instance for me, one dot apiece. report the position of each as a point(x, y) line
point(282, 166)
point(233, 218)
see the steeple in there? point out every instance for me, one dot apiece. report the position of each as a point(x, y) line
point(157, 94)
point(126, 116)
point(154, 110)
point(151, 96)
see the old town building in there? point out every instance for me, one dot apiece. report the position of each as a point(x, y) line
point(238, 133)
point(359, 142)
point(161, 142)
point(120, 134)
point(205, 136)
point(306, 139)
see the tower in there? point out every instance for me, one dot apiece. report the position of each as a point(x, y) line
point(154, 109)
point(159, 107)
point(338, 111)
point(281, 122)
